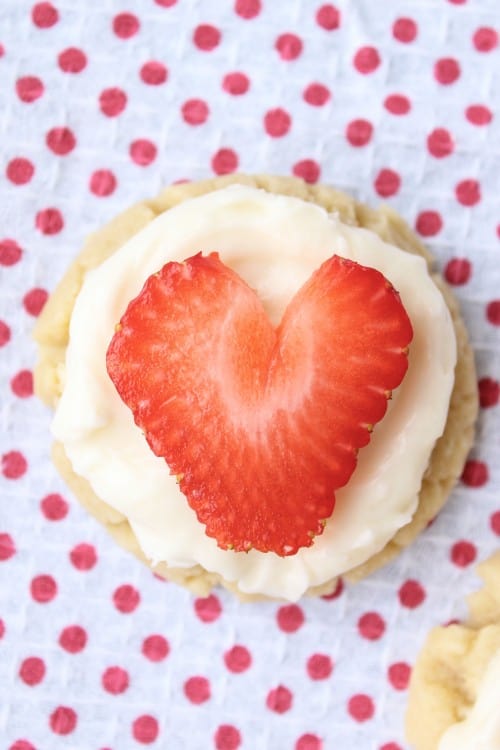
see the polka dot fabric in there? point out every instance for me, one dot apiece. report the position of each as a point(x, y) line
point(102, 104)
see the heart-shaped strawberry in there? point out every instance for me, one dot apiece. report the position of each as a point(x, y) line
point(260, 424)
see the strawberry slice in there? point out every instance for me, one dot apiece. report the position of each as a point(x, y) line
point(260, 424)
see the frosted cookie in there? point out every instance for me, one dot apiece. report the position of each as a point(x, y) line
point(454, 697)
point(272, 234)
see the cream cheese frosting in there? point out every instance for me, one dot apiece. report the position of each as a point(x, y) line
point(274, 242)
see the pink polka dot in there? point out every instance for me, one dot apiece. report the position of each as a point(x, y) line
point(308, 170)
point(10, 252)
point(489, 392)
point(63, 720)
point(308, 742)
point(7, 547)
point(2, 50)
point(337, 591)
point(429, 223)
point(404, 30)
point(290, 618)
point(495, 522)
point(485, 39)
point(359, 132)
point(236, 83)
point(361, 707)
point(316, 94)
point(446, 71)
point(463, 553)
point(440, 143)
point(22, 384)
point(397, 104)
point(125, 25)
point(328, 17)
point(398, 675)
point(288, 46)
point(14, 465)
point(4, 333)
point(29, 89)
point(227, 737)
point(22, 745)
point(247, 9)
point(195, 111)
point(371, 626)
point(387, 183)
point(61, 141)
point(44, 15)
point(155, 648)
point(225, 161)
point(112, 102)
point(478, 114)
point(83, 556)
point(394, 745)
point(145, 729)
point(319, 667)
point(206, 37)
point(72, 60)
point(493, 312)
point(279, 699)
point(143, 152)
point(475, 474)
point(197, 689)
point(166, 3)
point(49, 221)
point(238, 659)
point(34, 301)
point(277, 122)
point(366, 60)
point(468, 192)
point(73, 639)
point(458, 271)
point(115, 680)
point(20, 171)
point(54, 507)
point(154, 73)
point(126, 598)
point(411, 594)
point(102, 183)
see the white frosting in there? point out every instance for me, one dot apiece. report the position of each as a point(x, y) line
point(480, 730)
point(274, 243)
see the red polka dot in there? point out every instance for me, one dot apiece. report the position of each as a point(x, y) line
point(359, 132)
point(279, 699)
point(44, 15)
point(485, 39)
point(49, 221)
point(155, 648)
point(404, 30)
point(61, 141)
point(206, 37)
point(387, 183)
point(102, 183)
point(247, 9)
point(166, 3)
point(493, 312)
point(197, 689)
point(463, 553)
point(236, 83)
point(290, 618)
point(238, 659)
point(429, 223)
point(154, 73)
point(112, 102)
point(145, 729)
point(308, 170)
point(366, 60)
point(394, 745)
point(277, 122)
point(20, 171)
point(288, 46)
point(495, 522)
point(475, 473)
point(32, 670)
point(10, 252)
point(14, 465)
point(73, 639)
point(458, 271)
point(371, 626)
point(446, 71)
point(319, 667)
point(7, 547)
point(309, 742)
point(398, 675)
point(337, 591)
point(22, 745)
point(195, 111)
point(489, 392)
point(411, 594)
point(2, 50)
point(34, 301)
point(115, 680)
point(440, 143)
point(225, 161)
point(63, 720)
point(54, 507)
point(22, 384)
point(125, 25)
point(397, 104)
point(468, 192)
point(227, 737)
point(328, 17)
point(72, 60)
point(126, 598)
point(457, 2)
point(361, 707)
point(143, 152)
point(83, 556)
point(478, 114)
point(4, 333)
point(316, 94)
point(29, 89)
